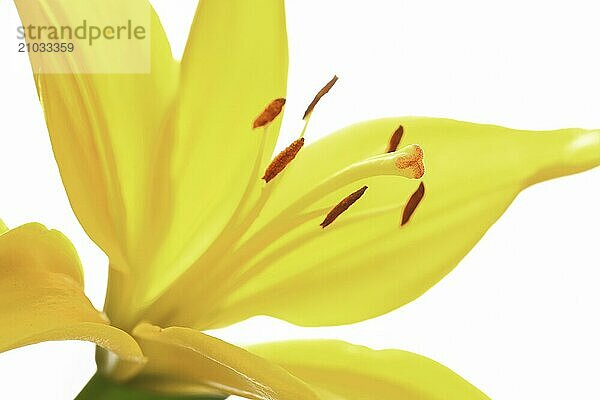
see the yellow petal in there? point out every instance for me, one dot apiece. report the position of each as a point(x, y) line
point(53, 251)
point(365, 264)
point(338, 370)
point(3, 227)
point(41, 287)
point(235, 63)
point(154, 164)
point(190, 356)
point(108, 130)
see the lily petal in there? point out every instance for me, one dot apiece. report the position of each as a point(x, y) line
point(190, 356)
point(41, 287)
point(365, 264)
point(341, 371)
point(235, 63)
point(53, 251)
point(142, 156)
point(107, 129)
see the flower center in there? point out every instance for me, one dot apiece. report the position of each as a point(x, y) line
point(231, 260)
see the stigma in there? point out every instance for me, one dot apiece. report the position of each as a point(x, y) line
point(406, 162)
point(410, 160)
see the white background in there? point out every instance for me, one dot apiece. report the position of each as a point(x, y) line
point(519, 316)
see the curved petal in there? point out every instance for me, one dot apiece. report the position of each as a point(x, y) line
point(365, 264)
point(3, 227)
point(53, 251)
point(108, 129)
point(235, 63)
point(42, 295)
point(341, 371)
point(142, 156)
point(190, 356)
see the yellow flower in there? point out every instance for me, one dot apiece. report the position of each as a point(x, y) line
point(164, 172)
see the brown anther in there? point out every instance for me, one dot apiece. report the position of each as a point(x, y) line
point(319, 95)
point(269, 114)
point(395, 139)
point(413, 203)
point(343, 206)
point(283, 159)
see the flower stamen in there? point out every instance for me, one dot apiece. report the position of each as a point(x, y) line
point(269, 114)
point(286, 156)
point(319, 95)
point(413, 203)
point(406, 162)
point(395, 139)
point(283, 159)
point(342, 206)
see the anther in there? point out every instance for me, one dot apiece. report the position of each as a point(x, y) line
point(395, 139)
point(343, 206)
point(319, 95)
point(283, 159)
point(269, 114)
point(413, 203)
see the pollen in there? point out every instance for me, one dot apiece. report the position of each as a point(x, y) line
point(395, 139)
point(319, 95)
point(342, 206)
point(269, 114)
point(283, 159)
point(412, 160)
point(413, 203)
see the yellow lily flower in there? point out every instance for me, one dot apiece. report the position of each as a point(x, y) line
point(163, 170)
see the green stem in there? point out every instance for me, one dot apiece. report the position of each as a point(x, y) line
point(100, 388)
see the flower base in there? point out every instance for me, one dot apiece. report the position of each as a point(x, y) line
point(100, 388)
